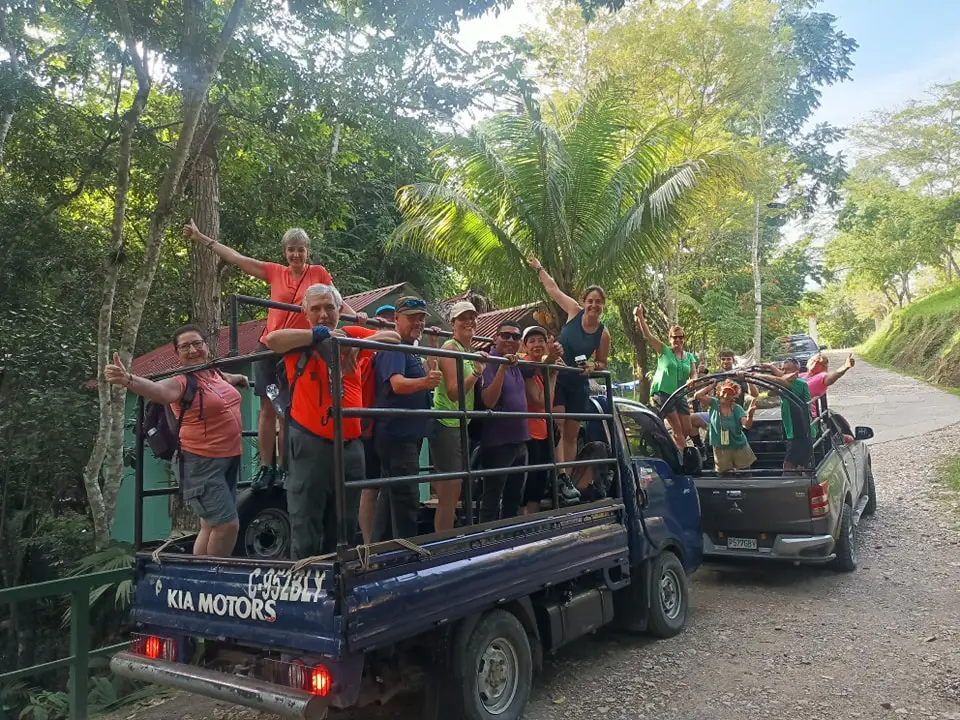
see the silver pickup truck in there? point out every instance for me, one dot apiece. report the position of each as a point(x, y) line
point(808, 516)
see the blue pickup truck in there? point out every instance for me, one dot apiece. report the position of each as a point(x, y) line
point(465, 615)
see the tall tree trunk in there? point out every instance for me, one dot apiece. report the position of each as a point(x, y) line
point(111, 397)
point(111, 432)
point(8, 105)
point(206, 266)
point(757, 292)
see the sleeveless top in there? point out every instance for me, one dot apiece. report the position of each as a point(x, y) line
point(442, 401)
point(577, 341)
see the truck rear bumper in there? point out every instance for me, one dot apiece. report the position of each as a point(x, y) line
point(795, 548)
point(236, 689)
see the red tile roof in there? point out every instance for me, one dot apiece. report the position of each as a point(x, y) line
point(488, 323)
point(165, 358)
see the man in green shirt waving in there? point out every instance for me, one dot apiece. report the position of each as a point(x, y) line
point(797, 422)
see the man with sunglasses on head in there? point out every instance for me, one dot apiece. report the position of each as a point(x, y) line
point(402, 383)
point(503, 441)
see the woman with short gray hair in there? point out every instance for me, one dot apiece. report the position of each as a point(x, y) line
point(288, 283)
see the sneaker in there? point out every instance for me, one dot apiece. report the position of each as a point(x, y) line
point(279, 477)
point(263, 479)
point(566, 490)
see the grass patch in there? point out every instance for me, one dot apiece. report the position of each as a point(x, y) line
point(950, 472)
point(922, 340)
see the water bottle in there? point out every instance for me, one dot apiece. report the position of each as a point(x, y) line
point(273, 392)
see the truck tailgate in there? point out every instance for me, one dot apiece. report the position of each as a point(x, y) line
point(749, 506)
point(256, 604)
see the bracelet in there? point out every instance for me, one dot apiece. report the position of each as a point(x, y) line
point(129, 379)
point(211, 243)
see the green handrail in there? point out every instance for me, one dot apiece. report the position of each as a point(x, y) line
point(78, 588)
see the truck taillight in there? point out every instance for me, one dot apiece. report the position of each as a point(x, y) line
point(154, 647)
point(819, 499)
point(320, 681)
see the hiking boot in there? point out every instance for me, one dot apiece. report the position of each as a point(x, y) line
point(279, 477)
point(566, 490)
point(263, 479)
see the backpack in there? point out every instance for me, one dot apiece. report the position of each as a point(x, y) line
point(162, 429)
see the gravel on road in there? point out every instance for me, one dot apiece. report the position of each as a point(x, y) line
point(771, 641)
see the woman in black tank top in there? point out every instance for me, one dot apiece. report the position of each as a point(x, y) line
point(582, 336)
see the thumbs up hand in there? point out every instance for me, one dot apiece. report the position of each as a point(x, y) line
point(117, 373)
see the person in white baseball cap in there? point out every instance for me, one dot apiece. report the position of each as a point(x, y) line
point(445, 450)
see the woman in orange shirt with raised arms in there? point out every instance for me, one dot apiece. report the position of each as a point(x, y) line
point(287, 284)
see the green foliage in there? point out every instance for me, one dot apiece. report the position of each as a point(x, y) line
point(922, 339)
point(838, 324)
point(582, 184)
point(117, 556)
point(104, 694)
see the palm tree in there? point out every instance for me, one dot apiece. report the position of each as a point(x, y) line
point(590, 190)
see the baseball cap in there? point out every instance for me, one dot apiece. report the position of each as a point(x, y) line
point(410, 305)
point(534, 330)
point(384, 309)
point(460, 307)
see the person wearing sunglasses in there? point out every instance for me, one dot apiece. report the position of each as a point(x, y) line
point(402, 383)
point(503, 441)
point(288, 283)
point(726, 423)
point(675, 368)
point(585, 342)
point(208, 462)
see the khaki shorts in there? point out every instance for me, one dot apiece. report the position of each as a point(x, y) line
point(728, 459)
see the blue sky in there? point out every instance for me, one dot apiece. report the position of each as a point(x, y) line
point(905, 46)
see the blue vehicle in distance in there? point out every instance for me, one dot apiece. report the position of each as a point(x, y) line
point(466, 615)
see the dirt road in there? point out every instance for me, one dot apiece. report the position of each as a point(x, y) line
point(771, 642)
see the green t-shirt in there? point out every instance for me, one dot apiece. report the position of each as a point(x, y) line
point(794, 419)
point(734, 435)
point(441, 401)
point(672, 372)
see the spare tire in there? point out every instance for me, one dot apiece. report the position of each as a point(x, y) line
point(264, 525)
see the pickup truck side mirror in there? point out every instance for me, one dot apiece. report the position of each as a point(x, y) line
point(863, 433)
point(692, 462)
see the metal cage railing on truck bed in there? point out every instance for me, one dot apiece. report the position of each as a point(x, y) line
point(344, 536)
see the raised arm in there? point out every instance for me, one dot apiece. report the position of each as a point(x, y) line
point(832, 377)
point(570, 306)
point(640, 314)
point(783, 380)
point(747, 420)
point(163, 392)
point(228, 255)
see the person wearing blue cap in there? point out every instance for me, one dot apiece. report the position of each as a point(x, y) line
point(386, 312)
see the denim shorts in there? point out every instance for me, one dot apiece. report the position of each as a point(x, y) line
point(209, 486)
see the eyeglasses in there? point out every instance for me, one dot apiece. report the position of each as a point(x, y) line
point(196, 344)
point(509, 336)
point(677, 337)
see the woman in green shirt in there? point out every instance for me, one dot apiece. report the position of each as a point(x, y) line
point(675, 368)
point(728, 420)
point(445, 449)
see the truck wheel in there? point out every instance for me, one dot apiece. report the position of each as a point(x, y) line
point(494, 669)
point(846, 547)
point(264, 525)
point(871, 507)
point(668, 596)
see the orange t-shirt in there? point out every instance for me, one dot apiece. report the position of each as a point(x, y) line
point(538, 426)
point(284, 289)
point(212, 426)
point(310, 404)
